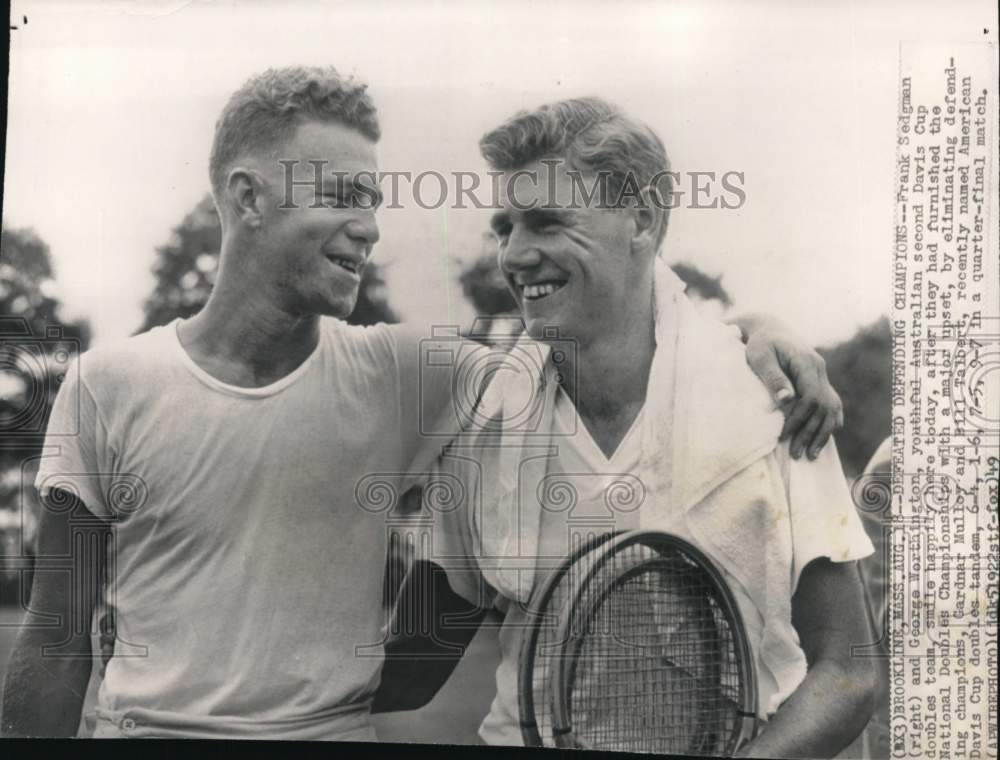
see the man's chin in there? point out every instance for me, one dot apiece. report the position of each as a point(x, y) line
point(341, 307)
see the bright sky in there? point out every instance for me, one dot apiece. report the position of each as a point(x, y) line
point(112, 106)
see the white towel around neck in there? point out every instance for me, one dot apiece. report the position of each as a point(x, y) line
point(707, 418)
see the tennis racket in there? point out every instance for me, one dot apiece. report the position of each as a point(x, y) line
point(654, 654)
point(539, 644)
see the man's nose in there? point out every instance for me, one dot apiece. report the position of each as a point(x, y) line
point(520, 252)
point(364, 228)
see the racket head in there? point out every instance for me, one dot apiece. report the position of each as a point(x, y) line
point(538, 640)
point(655, 655)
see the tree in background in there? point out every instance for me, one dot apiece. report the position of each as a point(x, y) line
point(185, 271)
point(860, 369)
point(701, 285)
point(482, 284)
point(37, 350)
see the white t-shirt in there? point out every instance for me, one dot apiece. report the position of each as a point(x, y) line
point(824, 523)
point(248, 565)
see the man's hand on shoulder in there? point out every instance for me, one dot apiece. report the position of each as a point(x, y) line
point(795, 375)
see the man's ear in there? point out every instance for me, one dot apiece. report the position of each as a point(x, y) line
point(243, 196)
point(646, 217)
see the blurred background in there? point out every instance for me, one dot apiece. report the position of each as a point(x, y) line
point(108, 229)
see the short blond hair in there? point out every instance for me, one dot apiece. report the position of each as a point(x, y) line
point(593, 135)
point(268, 107)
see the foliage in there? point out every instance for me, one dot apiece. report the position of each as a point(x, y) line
point(185, 267)
point(37, 348)
point(27, 287)
point(700, 284)
point(483, 285)
point(860, 369)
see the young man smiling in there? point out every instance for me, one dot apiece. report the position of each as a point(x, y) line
point(243, 574)
point(650, 419)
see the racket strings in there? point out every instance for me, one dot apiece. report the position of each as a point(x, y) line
point(656, 665)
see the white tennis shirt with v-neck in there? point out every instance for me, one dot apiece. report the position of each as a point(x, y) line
point(586, 493)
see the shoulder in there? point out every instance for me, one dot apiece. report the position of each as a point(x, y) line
point(718, 352)
point(376, 342)
point(810, 484)
point(413, 347)
point(721, 403)
point(370, 357)
point(125, 361)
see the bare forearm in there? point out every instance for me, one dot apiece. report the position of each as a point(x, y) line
point(836, 698)
point(43, 694)
point(825, 714)
point(50, 665)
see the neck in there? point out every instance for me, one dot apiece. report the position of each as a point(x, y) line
point(241, 336)
point(610, 375)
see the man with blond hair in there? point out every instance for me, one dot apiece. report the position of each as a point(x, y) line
point(213, 478)
point(647, 417)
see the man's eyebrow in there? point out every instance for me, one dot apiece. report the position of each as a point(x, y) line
point(535, 217)
point(340, 183)
point(371, 191)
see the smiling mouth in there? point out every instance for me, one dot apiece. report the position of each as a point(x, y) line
point(539, 290)
point(350, 265)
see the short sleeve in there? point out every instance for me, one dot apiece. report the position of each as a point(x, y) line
point(72, 457)
point(825, 522)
